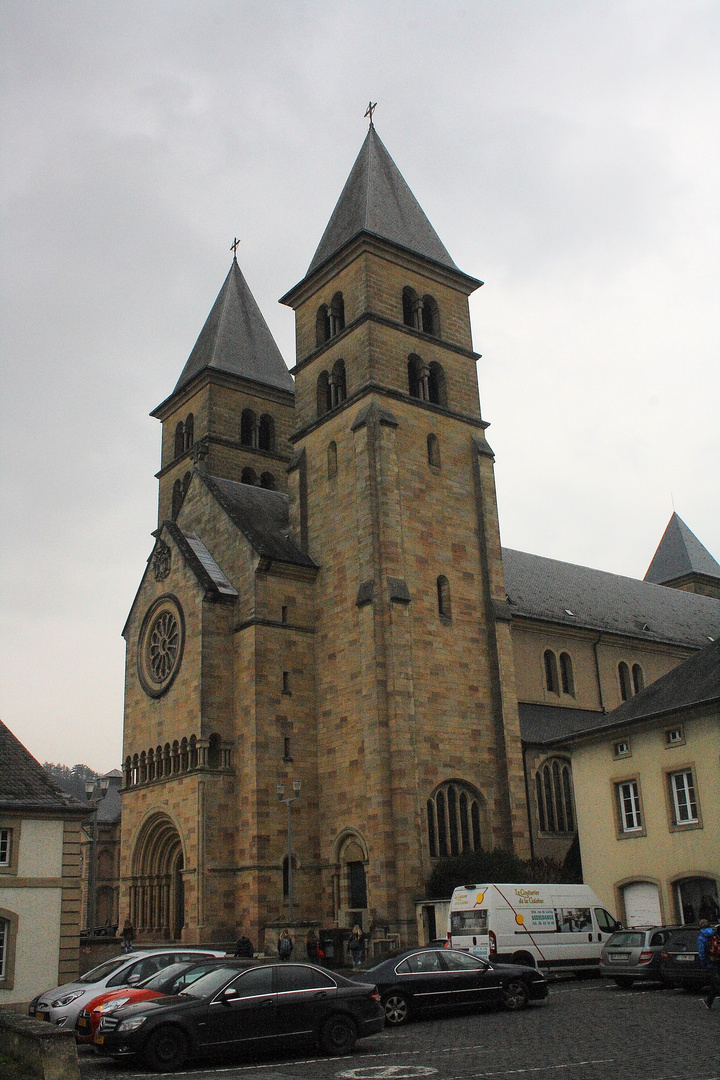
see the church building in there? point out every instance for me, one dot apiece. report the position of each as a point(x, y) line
point(324, 644)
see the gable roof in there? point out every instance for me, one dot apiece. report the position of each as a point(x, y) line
point(559, 592)
point(377, 200)
point(24, 784)
point(201, 562)
point(262, 516)
point(679, 553)
point(236, 340)
point(693, 683)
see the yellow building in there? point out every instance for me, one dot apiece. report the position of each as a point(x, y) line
point(647, 793)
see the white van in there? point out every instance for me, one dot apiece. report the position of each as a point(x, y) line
point(554, 927)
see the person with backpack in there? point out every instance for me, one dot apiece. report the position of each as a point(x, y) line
point(285, 945)
point(709, 956)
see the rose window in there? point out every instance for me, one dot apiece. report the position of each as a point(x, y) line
point(163, 644)
point(160, 646)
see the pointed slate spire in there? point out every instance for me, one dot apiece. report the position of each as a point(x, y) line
point(377, 200)
point(679, 553)
point(237, 340)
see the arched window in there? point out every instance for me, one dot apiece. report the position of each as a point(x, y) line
point(453, 817)
point(433, 451)
point(625, 684)
point(410, 305)
point(177, 498)
point(638, 678)
point(553, 789)
point(551, 671)
point(429, 316)
point(267, 480)
point(179, 439)
point(249, 476)
point(248, 428)
point(338, 384)
point(566, 674)
point(322, 325)
point(415, 377)
point(337, 314)
point(189, 431)
point(332, 459)
point(437, 392)
point(323, 394)
point(266, 433)
point(443, 597)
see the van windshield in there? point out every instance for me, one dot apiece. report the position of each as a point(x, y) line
point(469, 922)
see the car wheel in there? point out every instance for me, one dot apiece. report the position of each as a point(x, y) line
point(624, 982)
point(515, 995)
point(397, 1009)
point(338, 1035)
point(166, 1049)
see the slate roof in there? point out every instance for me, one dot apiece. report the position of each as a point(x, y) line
point(692, 683)
point(377, 200)
point(109, 806)
point(201, 562)
point(262, 516)
point(679, 553)
point(545, 723)
point(236, 339)
point(24, 784)
point(550, 590)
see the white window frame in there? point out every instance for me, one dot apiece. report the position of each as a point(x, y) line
point(5, 847)
point(628, 793)
point(4, 942)
point(685, 803)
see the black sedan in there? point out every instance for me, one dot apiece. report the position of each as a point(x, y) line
point(425, 980)
point(237, 1006)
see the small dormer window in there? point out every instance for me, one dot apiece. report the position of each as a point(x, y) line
point(674, 737)
point(621, 748)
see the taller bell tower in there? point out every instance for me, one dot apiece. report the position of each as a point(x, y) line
point(392, 495)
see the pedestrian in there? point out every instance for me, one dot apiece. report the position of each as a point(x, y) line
point(355, 945)
point(311, 947)
point(709, 956)
point(285, 945)
point(128, 936)
point(244, 947)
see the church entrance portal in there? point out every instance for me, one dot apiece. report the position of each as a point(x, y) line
point(157, 896)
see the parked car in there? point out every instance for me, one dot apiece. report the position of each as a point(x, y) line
point(62, 1004)
point(425, 980)
point(633, 954)
point(679, 960)
point(170, 980)
point(240, 1007)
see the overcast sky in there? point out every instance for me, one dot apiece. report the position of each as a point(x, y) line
point(567, 153)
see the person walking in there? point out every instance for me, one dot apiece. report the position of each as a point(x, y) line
point(244, 947)
point(709, 956)
point(285, 945)
point(128, 936)
point(355, 946)
point(311, 947)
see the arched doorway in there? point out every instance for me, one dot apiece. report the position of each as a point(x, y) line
point(351, 897)
point(157, 895)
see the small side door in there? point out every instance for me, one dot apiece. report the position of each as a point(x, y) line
point(242, 1012)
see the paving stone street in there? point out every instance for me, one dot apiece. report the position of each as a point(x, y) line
point(586, 1030)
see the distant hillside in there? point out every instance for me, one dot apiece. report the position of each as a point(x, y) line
point(71, 779)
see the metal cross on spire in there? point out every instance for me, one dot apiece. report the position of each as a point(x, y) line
point(372, 106)
point(234, 247)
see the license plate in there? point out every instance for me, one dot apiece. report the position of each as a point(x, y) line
point(42, 1016)
point(685, 959)
point(99, 1039)
point(84, 1025)
point(620, 956)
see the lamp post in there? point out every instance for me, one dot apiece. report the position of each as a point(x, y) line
point(94, 799)
point(290, 799)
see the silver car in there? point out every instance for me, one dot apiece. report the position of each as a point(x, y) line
point(634, 954)
point(62, 1004)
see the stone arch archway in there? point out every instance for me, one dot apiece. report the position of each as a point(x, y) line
point(157, 895)
point(351, 889)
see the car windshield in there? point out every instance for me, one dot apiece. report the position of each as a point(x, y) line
point(159, 978)
point(628, 938)
point(210, 983)
point(103, 970)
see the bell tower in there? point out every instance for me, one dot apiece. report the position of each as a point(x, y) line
point(392, 494)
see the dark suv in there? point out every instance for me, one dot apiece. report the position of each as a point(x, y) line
point(680, 963)
point(632, 954)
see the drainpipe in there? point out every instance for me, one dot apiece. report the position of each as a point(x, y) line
point(597, 672)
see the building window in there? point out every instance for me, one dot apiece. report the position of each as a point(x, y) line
point(433, 451)
point(411, 304)
point(4, 936)
point(330, 320)
point(551, 672)
point(682, 786)
point(8, 937)
point(357, 886)
point(553, 787)
point(248, 428)
point(416, 385)
point(429, 316)
point(338, 384)
point(453, 819)
point(625, 684)
point(628, 794)
point(674, 737)
point(332, 459)
point(189, 431)
point(266, 433)
point(566, 674)
point(179, 439)
point(621, 748)
point(248, 476)
point(5, 847)
point(638, 678)
point(283, 613)
point(286, 682)
point(437, 392)
point(323, 394)
point(267, 481)
point(443, 597)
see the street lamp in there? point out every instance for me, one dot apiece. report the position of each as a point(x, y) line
point(290, 799)
point(94, 799)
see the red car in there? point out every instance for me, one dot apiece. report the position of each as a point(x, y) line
point(171, 980)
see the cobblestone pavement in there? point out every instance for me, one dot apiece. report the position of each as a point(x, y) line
point(586, 1030)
